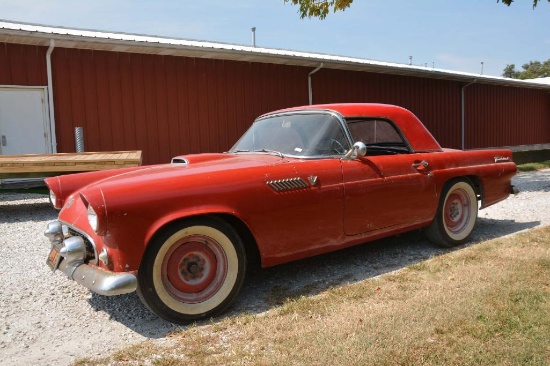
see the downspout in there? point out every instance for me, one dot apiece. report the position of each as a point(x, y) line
point(462, 122)
point(309, 83)
point(50, 95)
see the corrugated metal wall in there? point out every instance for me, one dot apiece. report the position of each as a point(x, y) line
point(22, 65)
point(166, 105)
point(497, 116)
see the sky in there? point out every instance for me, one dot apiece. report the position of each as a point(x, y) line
point(455, 35)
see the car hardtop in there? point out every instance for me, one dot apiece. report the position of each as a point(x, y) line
point(413, 130)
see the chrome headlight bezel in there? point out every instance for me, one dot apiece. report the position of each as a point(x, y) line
point(53, 198)
point(96, 211)
point(92, 218)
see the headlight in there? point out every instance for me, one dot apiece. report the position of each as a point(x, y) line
point(53, 199)
point(92, 218)
point(96, 210)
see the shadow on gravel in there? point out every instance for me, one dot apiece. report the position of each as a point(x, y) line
point(274, 286)
point(487, 229)
point(533, 181)
point(25, 212)
point(267, 288)
point(130, 311)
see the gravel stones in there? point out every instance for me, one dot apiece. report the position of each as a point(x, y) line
point(48, 319)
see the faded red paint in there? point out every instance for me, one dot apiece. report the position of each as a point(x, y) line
point(341, 201)
point(235, 185)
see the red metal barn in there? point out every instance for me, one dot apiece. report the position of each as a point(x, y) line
point(169, 96)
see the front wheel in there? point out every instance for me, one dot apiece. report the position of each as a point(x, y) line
point(192, 270)
point(456, 215)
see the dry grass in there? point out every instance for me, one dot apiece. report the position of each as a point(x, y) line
point(487, 304)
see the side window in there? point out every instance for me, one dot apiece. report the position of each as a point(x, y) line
point(379, 135)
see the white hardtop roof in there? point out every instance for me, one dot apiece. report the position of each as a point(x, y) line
point(35, 34)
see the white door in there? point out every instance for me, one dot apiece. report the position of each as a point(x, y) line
point(23, 121)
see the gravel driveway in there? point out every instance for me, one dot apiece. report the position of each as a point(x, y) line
point(47, 319)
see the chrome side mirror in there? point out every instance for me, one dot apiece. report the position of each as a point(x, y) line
point(358, 150)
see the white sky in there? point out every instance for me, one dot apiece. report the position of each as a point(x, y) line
point(450, 34)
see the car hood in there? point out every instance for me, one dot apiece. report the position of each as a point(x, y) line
point(200, 166)
point(184, 172)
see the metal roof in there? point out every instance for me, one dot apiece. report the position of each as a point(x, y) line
point(35, 34)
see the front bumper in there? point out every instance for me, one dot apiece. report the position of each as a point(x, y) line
point(73, 252)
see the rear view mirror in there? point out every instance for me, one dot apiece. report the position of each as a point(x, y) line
point(358, 150)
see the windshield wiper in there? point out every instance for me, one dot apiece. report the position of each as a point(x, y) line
point(270, 151)
point(238, 151)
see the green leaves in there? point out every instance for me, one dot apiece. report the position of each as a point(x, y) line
point(509, 2)
point(319, 8)
point(531, 70)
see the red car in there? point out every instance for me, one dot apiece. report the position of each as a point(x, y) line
point(300, 182)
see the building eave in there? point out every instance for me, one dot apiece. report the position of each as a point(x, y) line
point(40, 35)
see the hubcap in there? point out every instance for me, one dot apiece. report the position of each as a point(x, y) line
point(194, 268)
point(456, 211)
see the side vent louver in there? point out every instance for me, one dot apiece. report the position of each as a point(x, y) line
point(283, 185)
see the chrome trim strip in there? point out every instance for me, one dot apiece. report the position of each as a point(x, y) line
point(330, 112)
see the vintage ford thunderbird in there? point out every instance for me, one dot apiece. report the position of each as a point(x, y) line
point(300, 182)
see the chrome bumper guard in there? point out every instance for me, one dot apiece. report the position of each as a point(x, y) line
point(73, 251)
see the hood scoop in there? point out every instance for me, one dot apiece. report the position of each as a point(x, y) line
point(179, 161)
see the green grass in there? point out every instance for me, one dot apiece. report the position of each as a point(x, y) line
point(530, 167)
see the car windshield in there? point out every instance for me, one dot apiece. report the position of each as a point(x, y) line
point(303, 134)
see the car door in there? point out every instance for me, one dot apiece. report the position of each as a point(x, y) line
point(299, 210)
point(390, 186)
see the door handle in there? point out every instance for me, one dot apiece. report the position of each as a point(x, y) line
point(4, 142)
point(423, 163)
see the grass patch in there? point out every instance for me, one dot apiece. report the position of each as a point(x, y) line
point(530, 167)
point(37, 190)
point(488, 304)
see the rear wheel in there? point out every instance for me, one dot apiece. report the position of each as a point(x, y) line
point(192, 270)
point(456, 215)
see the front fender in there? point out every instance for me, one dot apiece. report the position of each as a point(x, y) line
point(183, 214)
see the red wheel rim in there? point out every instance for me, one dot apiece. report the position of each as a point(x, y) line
point(194, 269)
point(457, 211)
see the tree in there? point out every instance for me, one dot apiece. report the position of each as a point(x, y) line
point(510, 72)
point(320, 8)
point(531, 70)
point(509, 2)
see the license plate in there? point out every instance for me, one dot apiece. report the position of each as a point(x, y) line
point(54, 258)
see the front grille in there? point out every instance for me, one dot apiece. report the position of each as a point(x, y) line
point(90, 250)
